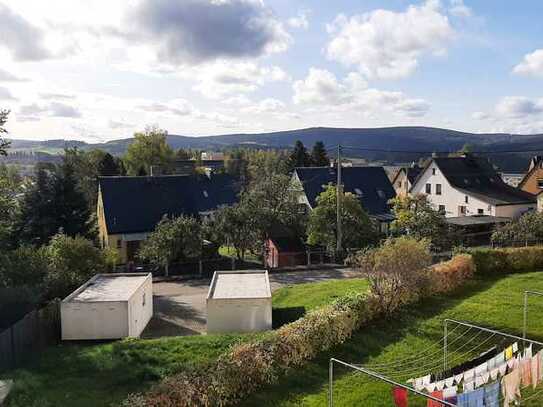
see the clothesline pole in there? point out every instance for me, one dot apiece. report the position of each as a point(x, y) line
point(525, 323)
point(445, 347)
point(380, 377)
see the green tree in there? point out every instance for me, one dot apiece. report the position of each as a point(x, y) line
point(72, 261)
point(358, 229)
point(4, 144)
point(416, 217)
point(173, 239)
point(528, 227)
point(8, 206)
point(149, 149)
point(319, 158)
point(109, 166)
point(232, 226)
point(299, 157)
point(270, 203)
point(53, 202)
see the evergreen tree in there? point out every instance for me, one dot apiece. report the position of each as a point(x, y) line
point(319, 157)
point(4, 144)
point(53, 202)
point(299, 157)
point(108, 166)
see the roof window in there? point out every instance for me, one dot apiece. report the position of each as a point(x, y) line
point(358, 192)
point(205, 194)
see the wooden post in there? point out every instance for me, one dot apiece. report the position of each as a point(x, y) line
point(233, 263)
point(308, 259)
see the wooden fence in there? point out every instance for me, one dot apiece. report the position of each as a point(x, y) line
point(34, 332)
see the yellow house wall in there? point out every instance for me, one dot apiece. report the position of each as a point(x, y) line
point(106, 240)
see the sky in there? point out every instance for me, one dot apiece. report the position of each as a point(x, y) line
point(104, 69)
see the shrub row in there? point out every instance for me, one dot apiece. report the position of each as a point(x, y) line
point(248, 366)
point(508, 260)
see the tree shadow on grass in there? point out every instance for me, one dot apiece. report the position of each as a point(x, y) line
point(365, 344)
point(282, 316)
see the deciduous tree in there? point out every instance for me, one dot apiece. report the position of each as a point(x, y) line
point(358, 229)
point(149, 149)
point(173, 239)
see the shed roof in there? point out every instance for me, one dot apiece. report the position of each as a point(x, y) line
point(136, 204)
point(239, 285)
point(370, 184)
point(477, 220)
point(109, 287)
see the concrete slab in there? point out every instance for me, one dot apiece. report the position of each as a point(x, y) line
point(5, 388)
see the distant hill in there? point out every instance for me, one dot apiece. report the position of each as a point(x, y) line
point(392, 139)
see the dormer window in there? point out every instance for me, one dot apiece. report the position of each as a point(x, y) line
point(205, 194)
point(433, 171)
point(381, 194)
point(358, 192)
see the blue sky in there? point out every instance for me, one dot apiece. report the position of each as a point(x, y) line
point(104, 69)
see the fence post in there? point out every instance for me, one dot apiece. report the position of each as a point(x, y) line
point(308, 258)
point(233, 263)
point(200, 268)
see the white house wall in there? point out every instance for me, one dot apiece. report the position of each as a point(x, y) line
point(514, 211)
point(239, 315)
point(450, 197)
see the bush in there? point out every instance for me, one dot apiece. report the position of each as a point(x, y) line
point(397, 271)
point(448, 276)
point(510, 260)
point(248, 366)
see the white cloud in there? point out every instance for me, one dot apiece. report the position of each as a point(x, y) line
point(387, 44)
point(269, 105)
point(176, 107)
point(6, 76)
point(519, 106)
point(459, 9)
point(5, 94)
point(300, 21)
point(480, 116)
point(322, 88)
point(221, 78)
point(531, 65)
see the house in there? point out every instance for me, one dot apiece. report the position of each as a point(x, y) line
point(130, 207)
point(404, 178)
point(512, 178)
point(533, 180)
point(370, 185)
point(285, 251)
point(468, 186)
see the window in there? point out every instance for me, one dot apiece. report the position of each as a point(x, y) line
point(466, 199)
point(428, 189)
point(381, 194)
point(438, 189)
point(442, 209)
point(143, 300)
point(400, 184)
point(540, 183)
point(433, 171)
point(462, 210)
point(480, 211)
point(205, 193)
point(358, 192)
point(119, 244)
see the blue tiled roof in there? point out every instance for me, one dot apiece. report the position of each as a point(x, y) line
point(136, 204)
point(363, 182)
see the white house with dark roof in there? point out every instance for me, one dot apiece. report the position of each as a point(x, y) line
point(469, 186)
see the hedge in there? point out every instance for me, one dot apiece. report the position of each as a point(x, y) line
point(508, 260)
point(248, 366)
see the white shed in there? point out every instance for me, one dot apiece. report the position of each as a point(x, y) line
point(239, 301)
point(108, 306)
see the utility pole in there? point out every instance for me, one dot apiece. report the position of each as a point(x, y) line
point(339, 195)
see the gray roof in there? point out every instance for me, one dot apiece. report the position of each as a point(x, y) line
point(477, 220)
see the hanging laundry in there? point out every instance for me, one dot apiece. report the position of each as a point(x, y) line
point(499, 358)
point(528, 351)
point(515, 347)
point(440, 385)
point(458, 378)
point(540, 355)
point(449, 394)
point(430, 387)
point(483, 367)
point(513, 363)
point(492, 395)
point(469, 386)
point(482, 379)
point(462, 400)
point(535, 371)
point(511, 387)
point(494, 373)
point(437, 395)
point(399, 395)
point(526, 371)
point(476, 398)
point(449, 381)
point(470, 364)
point(503, 369)
point(469, 375)
point(508, 352)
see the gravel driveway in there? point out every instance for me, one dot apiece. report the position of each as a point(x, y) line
point(180, 306)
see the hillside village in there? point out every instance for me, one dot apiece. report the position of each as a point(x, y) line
point(263, 203)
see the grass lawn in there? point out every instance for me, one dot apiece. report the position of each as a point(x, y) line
point(228, 251)
point(86, 375)
point(418, 329)
point(101, 374)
